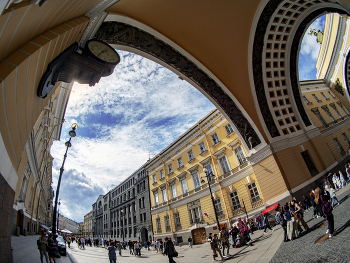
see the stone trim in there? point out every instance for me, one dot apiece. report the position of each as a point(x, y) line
point(182, 175)
point(206, 161)
point(220, 153)
point(193, 169)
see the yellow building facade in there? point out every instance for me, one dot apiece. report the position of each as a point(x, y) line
point(181, 205)
point(32, 207)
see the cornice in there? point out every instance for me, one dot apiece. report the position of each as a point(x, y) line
point(246, 171)
point(220, 152)
point(330, 130)
point(182, 175)
point(97, 15)
point(336, 49)
point(206, 161)
point(31, 159)
point(193, 169)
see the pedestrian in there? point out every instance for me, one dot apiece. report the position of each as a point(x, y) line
point(169, 249)
point(137, 249)
point(332, 195)
point(82, 242)
point(290, 224)
point(266, 223)
point(233, 233)
point(300, 218)
point(341, 178)
point(306, 202)
point(189, 242)
point(148, 245)
point(112, 253)
point(119, 247)
point(69, 240)
point(223, 238)
point(157, 245)
point(210, 238)
point(131, 247)
point(214, 245)
point(161, 246)
point(323, 200)
point(282, 221)
point(347, 169)
point(52, 248)
point(42, 247)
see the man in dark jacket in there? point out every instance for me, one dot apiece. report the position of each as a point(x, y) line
point(42, 247)
point(169, 249)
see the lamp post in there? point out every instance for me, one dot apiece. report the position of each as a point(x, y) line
point(58, 213)
point(68, 144)
point(209, 175)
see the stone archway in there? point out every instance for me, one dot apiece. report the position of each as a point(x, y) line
point(276, 44)
point(127, 35)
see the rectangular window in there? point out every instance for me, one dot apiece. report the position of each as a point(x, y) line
point(340, 148)
point(177, 220)
point(140, 217)
point(215, 138)
point(332, 95)
point(224, 165)
point(254, 193)
point(190, 155)
point(342, 107)
point(179, 163)
point(346, 139)
point(338, 112)
point(167, 222)
point(164, 195)
point(154, 179)
point(240, 155)
point(210, 171)
point(236, 204)
point(317, 99)
point(218, 207)
point(202, 147)
point(144, 216)
point(184, 186)
point(170, 169)
point(195, 215)
point(324, 95)
point(229, 129)
point(161, 174)
point(306, 100)
point(159, 226)
point(156, 201)
point(196, 180)
point(173, 191)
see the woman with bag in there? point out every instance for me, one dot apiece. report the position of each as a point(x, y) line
point(327, 208)
point(169, 250)
point(52, 248)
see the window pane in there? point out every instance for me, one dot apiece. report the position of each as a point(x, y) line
point(224, 165)
point(196, 180)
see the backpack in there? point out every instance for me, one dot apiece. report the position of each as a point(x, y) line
point(326, 207)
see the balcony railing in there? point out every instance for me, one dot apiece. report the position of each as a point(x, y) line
point(330, 124)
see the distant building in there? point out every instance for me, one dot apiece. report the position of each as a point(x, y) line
point(124, 212)
point(88, 224)
point(81, 229)
point(67, 223)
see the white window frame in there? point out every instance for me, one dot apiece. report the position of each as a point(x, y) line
point(179, 163)
point(164, 195)
point(184, 186)
point(159, 226)
point(202, 147)
point(229, 129)
point(170, 168)
point(173, 191)
point(236, 203)
point(177, 219)
point(215, 138)
point(154, 177)
point(190, 155)
point(239, 153)
point(161, 172)
point(218, 207)
point(252, 198)
point(222, 167)
point(196, 180)
point(156, 198)
point(167, 222)
point(193, 212)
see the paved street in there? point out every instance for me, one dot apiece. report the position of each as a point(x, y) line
point(304, 249)
point(25, 250)
point(266, 248)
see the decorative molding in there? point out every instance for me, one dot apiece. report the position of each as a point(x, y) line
point(218, 154)
point(206, 161)
point(234, 144)
point(182, 175)
point(31, 159)
point(162, 186)
point(241, 174)
point(171, 181)
point(123, 34)
point(337, 126)
point(193, 169)
point(194, 204)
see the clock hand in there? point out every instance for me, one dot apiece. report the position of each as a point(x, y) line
point(102, 52)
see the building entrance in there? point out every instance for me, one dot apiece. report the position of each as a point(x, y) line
point(199, 236)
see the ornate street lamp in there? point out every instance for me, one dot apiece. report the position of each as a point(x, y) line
point(68, 144)
point(209, 176)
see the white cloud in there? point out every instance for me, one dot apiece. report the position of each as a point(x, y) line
point(309, 44)
point(139, 110)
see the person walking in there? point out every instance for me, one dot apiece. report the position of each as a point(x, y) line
point(300, 218)
point(137, 249)
point(323, 200)
point(82, 242)
point(332, 195)
point(131, 247)
point(233, 233)
point(214, 245)
point(148, 245)
point(69, 240)
point(42, 247)
point(169, 249)
point(290, 224)
point(52, 248)
point(282, 221)
point(157, 245)
point(189, 242)
point(112, 253)
point(223, 238)
point(341, 178)
point(266, 223)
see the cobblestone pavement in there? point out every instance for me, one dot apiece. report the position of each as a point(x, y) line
point(336, 249)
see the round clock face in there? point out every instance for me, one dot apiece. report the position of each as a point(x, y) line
point(103, 51)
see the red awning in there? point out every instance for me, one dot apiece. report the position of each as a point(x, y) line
point(270, 208)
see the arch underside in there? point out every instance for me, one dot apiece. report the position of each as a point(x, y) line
point(271, 53)
point(124, 34)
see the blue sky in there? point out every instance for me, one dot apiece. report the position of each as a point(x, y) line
point(126, 118)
